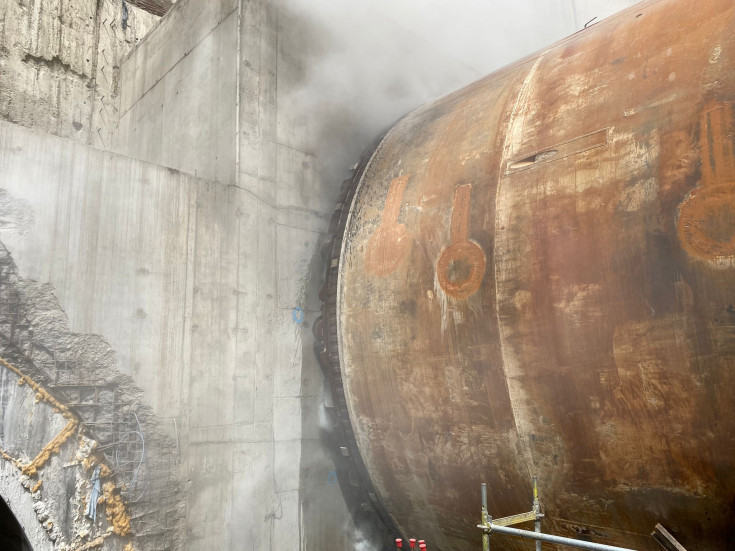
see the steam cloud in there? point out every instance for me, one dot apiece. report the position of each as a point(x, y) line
point(372, 61)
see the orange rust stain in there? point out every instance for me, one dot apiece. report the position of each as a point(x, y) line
point(388, 245)
point(461, 266)
point(706, 224)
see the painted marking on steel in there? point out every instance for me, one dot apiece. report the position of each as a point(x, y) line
point(388, 245)
point(461, 266)
point(706, 224)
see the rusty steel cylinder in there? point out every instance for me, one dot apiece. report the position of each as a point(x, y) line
point(542, 265)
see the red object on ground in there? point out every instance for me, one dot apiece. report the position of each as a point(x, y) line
point(399, 543)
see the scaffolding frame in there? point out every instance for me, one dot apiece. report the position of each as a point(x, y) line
point(503, 526)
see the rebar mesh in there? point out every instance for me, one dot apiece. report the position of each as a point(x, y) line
point(144, 461)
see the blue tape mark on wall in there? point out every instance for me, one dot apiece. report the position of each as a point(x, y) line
point(332, 478)
point(298, 315)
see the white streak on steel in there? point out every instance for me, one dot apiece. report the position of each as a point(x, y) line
point(511, 144)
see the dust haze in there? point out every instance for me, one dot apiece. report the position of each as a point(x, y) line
point(371, 62)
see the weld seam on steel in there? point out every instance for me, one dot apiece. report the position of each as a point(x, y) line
point(552, 539)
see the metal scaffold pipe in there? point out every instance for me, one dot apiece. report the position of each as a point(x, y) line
point(551, 539)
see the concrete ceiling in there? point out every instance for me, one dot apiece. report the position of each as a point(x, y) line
point(156, 7)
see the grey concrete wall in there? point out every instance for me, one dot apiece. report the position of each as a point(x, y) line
point(111, 235)
point(214, 91)
point(194, 284)
point(59, 64)
point(278, 167)
point(179, 92)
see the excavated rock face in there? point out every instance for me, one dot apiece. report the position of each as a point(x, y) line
point(535, 276)
point(71, 422)
point(60, 64)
